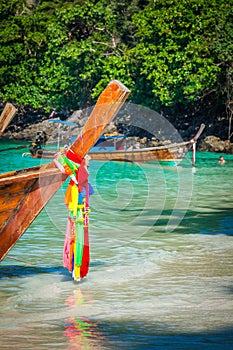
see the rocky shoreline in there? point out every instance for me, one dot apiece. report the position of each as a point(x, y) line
point(22, 132)
point(215, 144)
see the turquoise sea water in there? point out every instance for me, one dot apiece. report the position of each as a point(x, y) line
point(161, 274)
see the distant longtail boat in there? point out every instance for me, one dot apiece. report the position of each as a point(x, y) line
point(172, 153)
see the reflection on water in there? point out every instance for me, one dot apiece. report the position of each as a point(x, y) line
point(82, 333)
point(161, 265)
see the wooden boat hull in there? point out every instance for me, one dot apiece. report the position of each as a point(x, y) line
point(24, 193)
point(173, 153)
point(43, 153)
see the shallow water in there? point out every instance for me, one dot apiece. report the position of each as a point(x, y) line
point(161, 274)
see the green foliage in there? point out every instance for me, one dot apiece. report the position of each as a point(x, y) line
point(61, 54)
point(173, 50)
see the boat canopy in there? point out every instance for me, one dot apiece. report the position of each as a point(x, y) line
point(63, 122)
point(106, 137)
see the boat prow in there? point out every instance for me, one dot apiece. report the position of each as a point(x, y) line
point(24, 193)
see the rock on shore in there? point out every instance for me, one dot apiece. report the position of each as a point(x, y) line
point(215, 144)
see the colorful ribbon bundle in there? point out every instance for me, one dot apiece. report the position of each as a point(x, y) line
point(76, 256)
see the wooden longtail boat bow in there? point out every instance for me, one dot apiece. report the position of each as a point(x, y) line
point(24, 193)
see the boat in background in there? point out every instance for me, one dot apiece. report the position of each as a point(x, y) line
point(172, 153)
point(6, 116)
point(114, 147)
point(24, 193)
